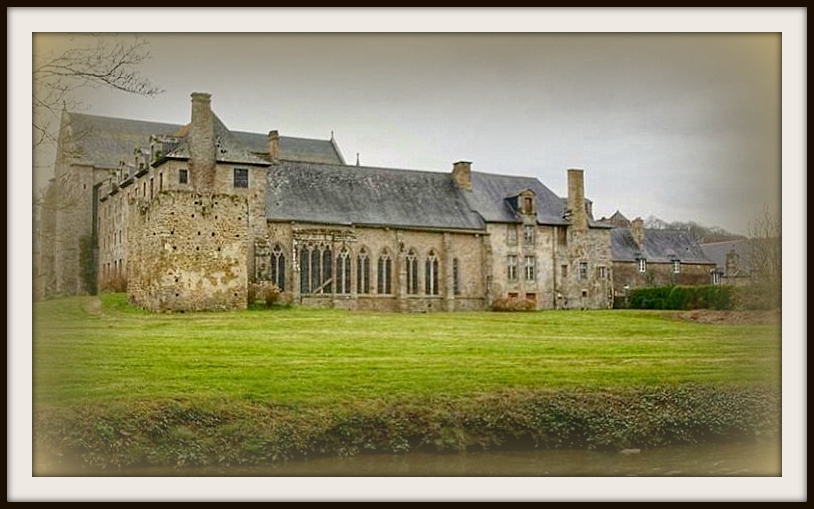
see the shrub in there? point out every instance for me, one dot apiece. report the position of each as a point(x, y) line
point(512, 304)
point(268, 294)
point(682, 297)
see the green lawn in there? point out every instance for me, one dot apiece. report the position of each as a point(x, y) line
point(90, 351)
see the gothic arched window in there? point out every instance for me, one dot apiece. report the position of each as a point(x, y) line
point(385, 273)
point(412, 273)
point(343, 271)
point(316, 274)
point(363, 272)
point(278, 267)
point(431, 274)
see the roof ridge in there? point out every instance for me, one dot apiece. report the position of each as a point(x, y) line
point(354, 167)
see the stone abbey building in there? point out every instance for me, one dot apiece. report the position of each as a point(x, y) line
point(189, 217)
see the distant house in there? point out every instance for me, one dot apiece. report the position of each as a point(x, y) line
point(732, 261)
point(654, 257)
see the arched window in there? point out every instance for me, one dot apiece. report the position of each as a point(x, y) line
point(343, 271)
point(363, 272)
point(316, 275)
point(431, 274)
point(412, 273)
point(305, 269)
point(385, 273)
point(278, 267)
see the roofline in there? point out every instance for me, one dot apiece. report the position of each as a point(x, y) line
point(386, 226)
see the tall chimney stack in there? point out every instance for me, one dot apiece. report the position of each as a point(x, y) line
point(274, 145)
point(576, 200)
point(637, 230)
point(461, 172)
point(202, 151)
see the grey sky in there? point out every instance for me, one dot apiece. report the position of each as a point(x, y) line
point(681, 126)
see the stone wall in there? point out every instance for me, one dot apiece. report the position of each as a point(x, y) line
point(586, 283)
point(447, 247)
point(509, 240)
point(188, 251)
point(658, 274)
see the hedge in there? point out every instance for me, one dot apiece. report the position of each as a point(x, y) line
point(682, 297)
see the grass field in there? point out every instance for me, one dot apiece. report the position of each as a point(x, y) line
point(118, 385)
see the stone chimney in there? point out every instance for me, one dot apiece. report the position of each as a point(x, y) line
point(576, 200)
point(202, 151)
point(637, 230)
point(732, 262)
point(461, 172)
point(274, 145)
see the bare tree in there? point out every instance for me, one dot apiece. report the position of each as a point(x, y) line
point(64, 65)
point(86, 60)
point(765, 256)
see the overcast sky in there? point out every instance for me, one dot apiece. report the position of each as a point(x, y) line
point(681, 126)
point(685, 127)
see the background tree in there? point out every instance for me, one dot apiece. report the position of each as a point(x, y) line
point(63, 66)
point(698, 232)
point(765, 255)
point(84, 61)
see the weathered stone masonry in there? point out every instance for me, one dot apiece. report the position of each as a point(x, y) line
point(187, 217)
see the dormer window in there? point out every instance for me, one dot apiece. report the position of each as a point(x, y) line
point(528, 205)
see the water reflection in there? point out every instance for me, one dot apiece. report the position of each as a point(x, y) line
point(695, 461)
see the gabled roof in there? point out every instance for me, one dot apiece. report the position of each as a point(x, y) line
point(229, 148)
point(659, 246)
point(304, 150)
point(718, 251)
point(489, 193)
point(360, 195)
point(105, 141)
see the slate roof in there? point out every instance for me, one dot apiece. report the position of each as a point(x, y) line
point(359, 195)
point(104, 141)
point(228, 146)
point(294, 149)
point(717, 251)
point(489, 193)
point(659, 246)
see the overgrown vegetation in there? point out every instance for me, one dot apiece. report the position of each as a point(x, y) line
point(682, 297)
point(184, 433)
point(512, 304)
point(117, 386)
point(749, 297)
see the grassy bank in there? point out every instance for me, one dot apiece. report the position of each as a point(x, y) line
point(116, 386)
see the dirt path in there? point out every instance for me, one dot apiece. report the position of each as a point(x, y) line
point(729, 317)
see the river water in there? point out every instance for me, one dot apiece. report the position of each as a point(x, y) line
point(694, 460)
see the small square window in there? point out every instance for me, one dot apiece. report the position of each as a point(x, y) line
point(183, 176)
point(241, 178)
